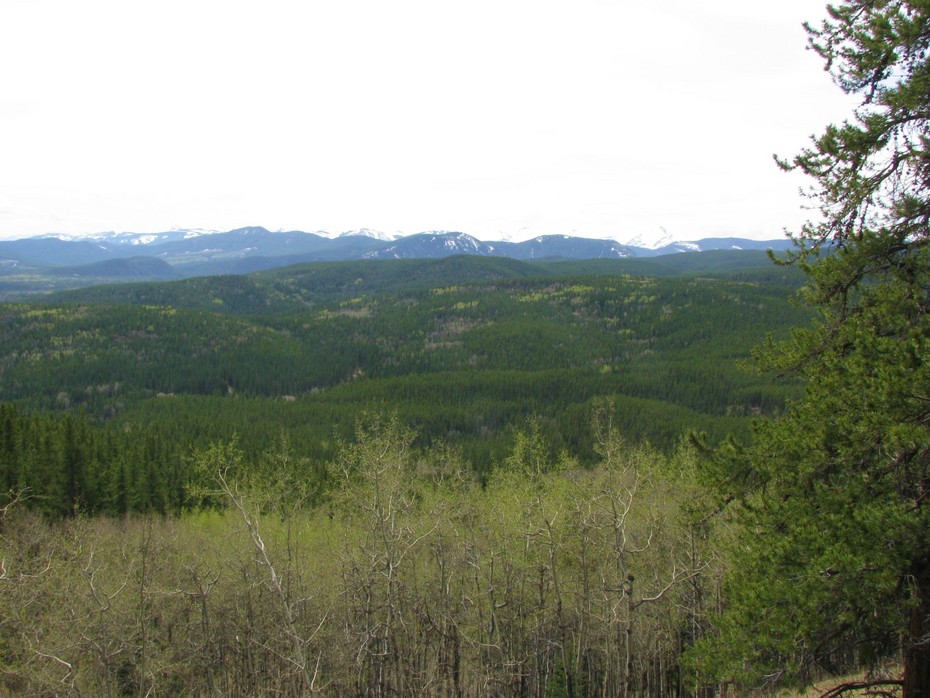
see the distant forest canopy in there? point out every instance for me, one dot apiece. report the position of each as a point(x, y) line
point(112, 387)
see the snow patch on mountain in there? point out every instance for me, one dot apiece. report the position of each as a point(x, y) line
point(368, 233)
point(71, 237)
point(194, 232)
point(652, 243)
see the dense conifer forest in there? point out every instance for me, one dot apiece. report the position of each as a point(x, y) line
point(442, 477)
point(304, 352)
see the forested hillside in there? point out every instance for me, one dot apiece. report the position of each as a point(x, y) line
point(437, 477)
point(465, 351)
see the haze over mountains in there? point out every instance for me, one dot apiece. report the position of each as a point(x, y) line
point(191, 252)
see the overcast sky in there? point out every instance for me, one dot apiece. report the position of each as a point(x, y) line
point(499, 118)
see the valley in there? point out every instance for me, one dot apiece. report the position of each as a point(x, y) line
point(424, 475)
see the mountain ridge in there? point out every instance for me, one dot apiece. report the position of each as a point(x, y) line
point(180, 246)
point(43, 263)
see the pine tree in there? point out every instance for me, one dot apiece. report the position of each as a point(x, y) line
point(831, 566)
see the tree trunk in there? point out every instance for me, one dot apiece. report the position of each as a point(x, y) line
point(917, 649)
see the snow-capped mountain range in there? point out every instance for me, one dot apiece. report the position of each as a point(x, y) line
point(189, 252)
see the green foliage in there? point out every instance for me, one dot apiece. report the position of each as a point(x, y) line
point(466, 351)
point(829, 567)
point(66, 466)
point(465, 362)
point(413, 580)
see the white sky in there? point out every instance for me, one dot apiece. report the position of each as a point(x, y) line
point(600, 118)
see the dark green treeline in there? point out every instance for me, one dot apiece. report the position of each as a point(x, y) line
point(63, 466)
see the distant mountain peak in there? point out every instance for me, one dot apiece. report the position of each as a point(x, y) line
point(368, 233)
point(653, 243)
point(250, 230)
point(193, 232)
point(446, 233)
point(71, 237)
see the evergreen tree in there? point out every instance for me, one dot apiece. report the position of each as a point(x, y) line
point(832, 564)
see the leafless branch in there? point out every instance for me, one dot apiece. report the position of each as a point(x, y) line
point(863, 685)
